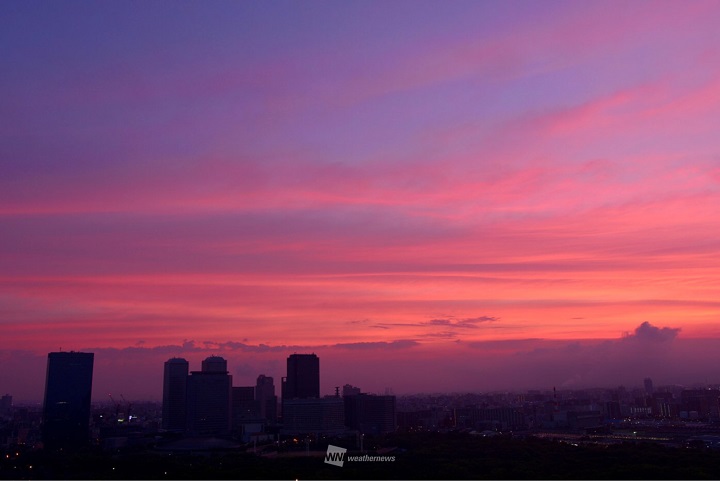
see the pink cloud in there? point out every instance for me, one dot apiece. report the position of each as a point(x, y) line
point(556, 181)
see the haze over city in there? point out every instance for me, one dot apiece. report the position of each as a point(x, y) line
point(431, 196)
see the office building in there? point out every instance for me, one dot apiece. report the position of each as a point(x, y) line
point(370, 414)
point(648, 386)
point(612, 410)
point(174, 410)
point(244, 406)
point(6, 405)
point(314, 415)
point(703, 404)
point(350, 390)
point(303, 377)
point(266, 398)
point(214, 364)
point(209, 399)
point(66, 406)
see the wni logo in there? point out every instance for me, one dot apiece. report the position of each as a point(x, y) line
point(335, 455)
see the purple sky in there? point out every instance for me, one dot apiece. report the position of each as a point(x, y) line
point(465, 195)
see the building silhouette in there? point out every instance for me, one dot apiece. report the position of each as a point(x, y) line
point(174, 410)
point(370, 414)
point(6, 405)
point(209, 399)
point(314, 415)
point(303, 377)
point(613, 410)
point(244, 406)
point(303, 410)
point(66, 406)
point(649, 390)
point(349, 390)
point(214, 364)
point(703, 404)
point(266, 398)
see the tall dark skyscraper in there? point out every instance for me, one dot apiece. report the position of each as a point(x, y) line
point(244, 406)
point(303, 377)
point(214, 364)
point(66, 407)
point(6, 405)
point(266, 398)
point(209, 398)
point(174, 414)
point(648, 386)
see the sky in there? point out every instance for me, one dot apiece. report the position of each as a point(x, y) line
point(431, 196)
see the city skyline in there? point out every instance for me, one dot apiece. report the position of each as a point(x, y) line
point(431, 196)
point(647, 340)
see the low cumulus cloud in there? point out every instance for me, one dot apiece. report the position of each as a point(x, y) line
point(646, 332)
point(648, 350)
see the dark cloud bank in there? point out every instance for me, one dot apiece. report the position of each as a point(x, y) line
point(406, 365)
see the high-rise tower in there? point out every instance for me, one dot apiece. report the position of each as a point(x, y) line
point(266, 398)
point(648, 386)
point(209, 398)
point(214, 364)
point(66, 406)
point(174, 413)
point(303, 377)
